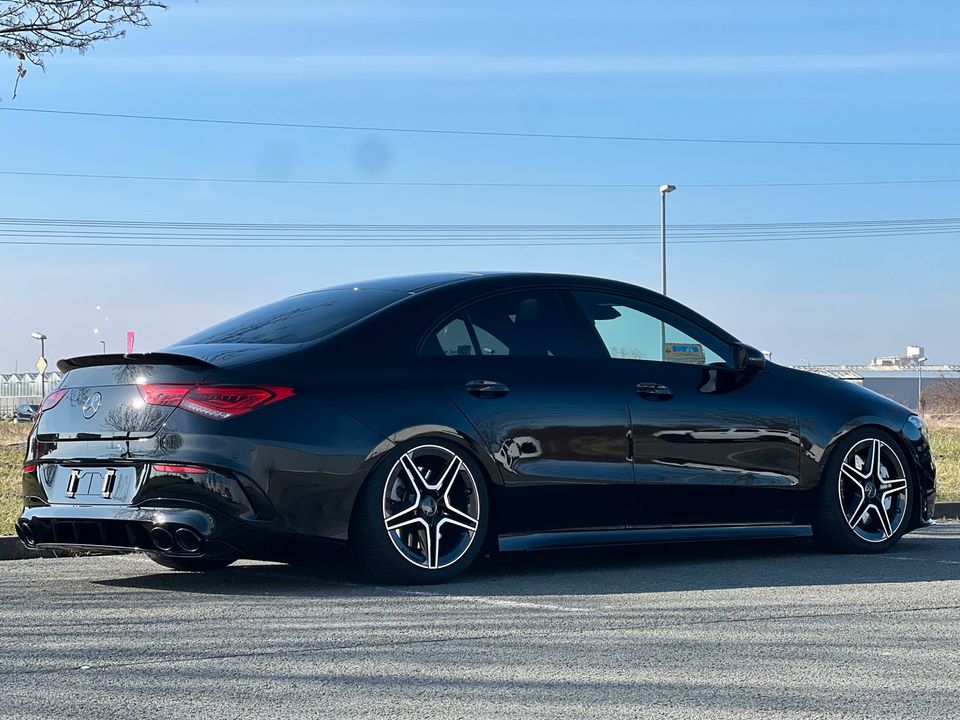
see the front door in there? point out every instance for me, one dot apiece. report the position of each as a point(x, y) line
point(711, 444)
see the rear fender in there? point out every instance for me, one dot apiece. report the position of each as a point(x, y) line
point(426, 433)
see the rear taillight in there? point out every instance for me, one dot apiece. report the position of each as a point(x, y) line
point(51, 400)
point(29, 468)
point(214, 401)
point(180, 469)
point(221, 402)
point(163, 394)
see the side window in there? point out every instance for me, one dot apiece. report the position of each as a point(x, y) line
point(523, 324)
point(490, 345)
point(454, 339)
point(630, 331)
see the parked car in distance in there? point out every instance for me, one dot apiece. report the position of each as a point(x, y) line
point(418, 420)
point(25, 413)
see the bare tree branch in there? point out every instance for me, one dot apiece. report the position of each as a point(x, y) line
point(32, 30)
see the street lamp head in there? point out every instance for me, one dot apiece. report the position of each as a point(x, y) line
point(921, 360)
point(667, 188)
point(38, 336)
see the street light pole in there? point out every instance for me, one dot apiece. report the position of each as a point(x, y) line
point(104, 343)
point(43, 355)
point(664, 189)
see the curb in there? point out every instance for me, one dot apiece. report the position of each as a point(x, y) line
point(12, 549)
point(946, 510)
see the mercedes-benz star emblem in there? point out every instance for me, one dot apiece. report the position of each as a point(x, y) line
point(91, 406)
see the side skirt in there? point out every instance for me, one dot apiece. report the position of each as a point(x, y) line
point(637, 536)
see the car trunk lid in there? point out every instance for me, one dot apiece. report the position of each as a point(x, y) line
point(100, 396)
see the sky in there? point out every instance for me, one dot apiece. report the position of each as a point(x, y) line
point(850, 71)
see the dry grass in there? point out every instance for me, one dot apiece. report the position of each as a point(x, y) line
point(11, 463)
point(944, 439)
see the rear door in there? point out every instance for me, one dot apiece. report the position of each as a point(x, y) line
point(711, 444)
point(558, 431)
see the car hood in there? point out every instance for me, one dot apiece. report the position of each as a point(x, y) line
point(867, 402)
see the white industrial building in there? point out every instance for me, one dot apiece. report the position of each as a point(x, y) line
point(897, 377)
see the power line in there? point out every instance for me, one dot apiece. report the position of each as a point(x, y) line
point(456, 183)
point(518, 235)
point(482, 133)
point(382, 245)
point(896, 222)
point(271, 246)
point(146, 234)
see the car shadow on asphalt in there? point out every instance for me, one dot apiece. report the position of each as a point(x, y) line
point(933, 555)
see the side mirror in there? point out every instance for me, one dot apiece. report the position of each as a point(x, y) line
point(746, 357)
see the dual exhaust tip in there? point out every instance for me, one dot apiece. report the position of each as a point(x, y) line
point(183, 539)
point(25, 533)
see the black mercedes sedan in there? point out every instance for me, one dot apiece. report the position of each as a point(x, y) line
point(420, 421)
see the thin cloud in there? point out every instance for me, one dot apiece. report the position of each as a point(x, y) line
point(440, 65)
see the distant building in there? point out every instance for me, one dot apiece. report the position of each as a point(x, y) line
point(896, 376)
point(18, 388)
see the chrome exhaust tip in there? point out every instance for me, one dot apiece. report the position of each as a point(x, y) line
point(161, 538)
point(25, 533)
point(188, 539)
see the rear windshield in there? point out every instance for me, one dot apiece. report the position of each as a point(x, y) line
point(297, 319)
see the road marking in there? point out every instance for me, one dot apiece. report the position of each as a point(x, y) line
point(497, 601)
point(914, 559)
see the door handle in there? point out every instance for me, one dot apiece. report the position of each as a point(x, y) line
point(487, 388)
point(652, 390)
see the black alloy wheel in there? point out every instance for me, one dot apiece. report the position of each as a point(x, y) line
point(866, 495)
point(421, 517)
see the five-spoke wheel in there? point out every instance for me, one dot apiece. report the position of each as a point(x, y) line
point(421, 516)
point(873, 490)
point(431, 508)
point(865, 495)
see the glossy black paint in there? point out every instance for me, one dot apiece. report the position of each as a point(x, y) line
point(575, 449)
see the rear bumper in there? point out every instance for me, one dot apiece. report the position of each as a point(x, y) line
point(171, 532)
point(297, 487)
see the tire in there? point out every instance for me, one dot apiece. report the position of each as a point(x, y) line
point(421, 516)
point(193, 564)
point(862, 506)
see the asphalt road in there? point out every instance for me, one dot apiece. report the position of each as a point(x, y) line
point(773, 630)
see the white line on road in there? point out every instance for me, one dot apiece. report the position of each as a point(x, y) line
point(499, 601)
point(915, 559)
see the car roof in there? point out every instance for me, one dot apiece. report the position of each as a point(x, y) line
point(483, 282)
point(408, 283)
point(428, 281)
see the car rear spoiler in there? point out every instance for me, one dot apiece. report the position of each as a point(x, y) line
point(156, 358)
